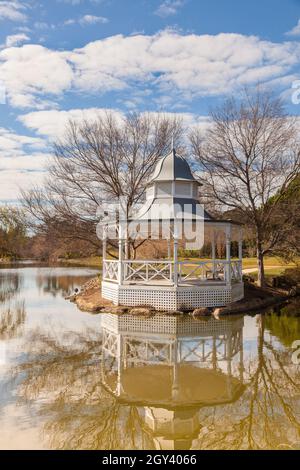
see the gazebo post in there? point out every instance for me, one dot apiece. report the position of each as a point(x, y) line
point(120, 280)
point(228, 254)
point(169, 248)
point(126, 252)
point(240, 247)
point(126, 248)
point(213, 254)
point(175, 255)
point(103, 253)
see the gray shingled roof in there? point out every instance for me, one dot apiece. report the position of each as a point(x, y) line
point(190, 207)
point(172, 167)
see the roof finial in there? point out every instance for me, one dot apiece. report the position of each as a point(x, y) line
point(172, 143)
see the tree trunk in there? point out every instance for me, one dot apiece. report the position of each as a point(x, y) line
point(260, 264)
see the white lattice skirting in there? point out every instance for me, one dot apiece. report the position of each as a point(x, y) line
point(172, 298)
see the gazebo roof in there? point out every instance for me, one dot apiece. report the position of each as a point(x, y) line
point(175, 208)
point(172, 167)
point(158, 208)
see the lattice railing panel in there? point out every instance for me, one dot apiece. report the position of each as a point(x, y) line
point(236, 270)
point(147, 271)
point(203, 270)
point(111, 270)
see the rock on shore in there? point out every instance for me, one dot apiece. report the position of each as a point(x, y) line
point(89, 298)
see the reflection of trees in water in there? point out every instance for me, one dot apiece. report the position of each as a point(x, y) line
point(10, 284)
point(285, 328)
point(12, 316)
point(266, 417)
point(62, 285)
point(83, 415)
point(12, 320)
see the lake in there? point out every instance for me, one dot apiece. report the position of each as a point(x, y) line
point(73, 380)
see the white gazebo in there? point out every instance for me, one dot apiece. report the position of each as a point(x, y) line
point(172, 283)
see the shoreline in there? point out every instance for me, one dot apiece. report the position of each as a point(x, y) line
point(89, 300)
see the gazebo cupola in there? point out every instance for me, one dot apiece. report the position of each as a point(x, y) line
point(172, 178)
point(170, 283)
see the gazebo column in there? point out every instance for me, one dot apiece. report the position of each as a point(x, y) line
point(175, 259)
point(104, 255)
point(169, 248)
point(126, 250)
point(228, 254)
point(213, 254)
point(120, 280)
point(240, 243)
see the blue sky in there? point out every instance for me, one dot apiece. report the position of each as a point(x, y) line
point(63, 59)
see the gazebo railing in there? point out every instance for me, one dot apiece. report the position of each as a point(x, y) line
point(149, 271)
point(236, 270)
point(110, 270)
point(191, 270)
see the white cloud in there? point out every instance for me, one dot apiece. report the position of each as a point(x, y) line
point(52, 123)
point(42, 25)
point(14, 144)
point(169, 8)
point(24, 159)
point(19, 177)
point(69, 22)
point(26, 163)
point(295, 31)
point(92, 19)
point(192, 64)
point(30, 72)
point(16, 39)
point(22, 163)
point(185, 66)
point(12, 11)
point(87, 20)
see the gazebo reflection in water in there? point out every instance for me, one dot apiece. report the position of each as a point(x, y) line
point(170, 367)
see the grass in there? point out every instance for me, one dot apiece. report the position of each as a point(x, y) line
point(90, 261)
point(269, 261)
point(269, 273)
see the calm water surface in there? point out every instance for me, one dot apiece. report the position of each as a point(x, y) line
point(71, 380)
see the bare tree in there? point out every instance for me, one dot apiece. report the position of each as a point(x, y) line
point(12, 232)
point(249, 155)
point(287, 215)
point(96, 161)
